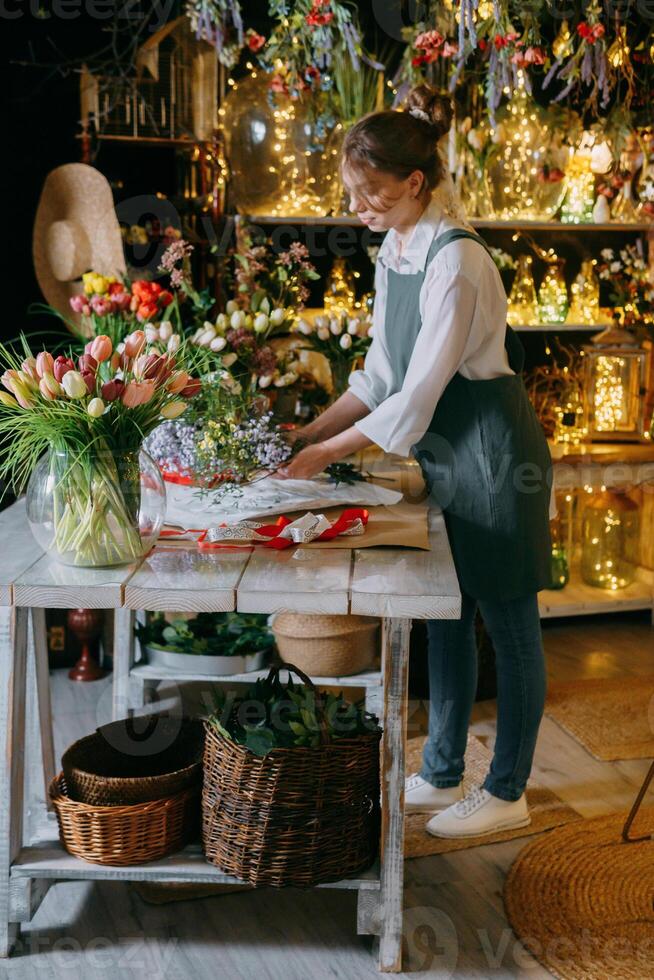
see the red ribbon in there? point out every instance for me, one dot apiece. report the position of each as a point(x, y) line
point(271, 532)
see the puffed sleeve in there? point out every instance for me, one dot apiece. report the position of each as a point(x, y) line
point(372, 384)
point(401, 419)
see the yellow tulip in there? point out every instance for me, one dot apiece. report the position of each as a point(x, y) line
point(173, 410)
point(8, 399)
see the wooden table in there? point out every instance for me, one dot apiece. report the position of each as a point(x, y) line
point(397, 585)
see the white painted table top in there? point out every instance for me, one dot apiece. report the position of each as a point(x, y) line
point(369, 581)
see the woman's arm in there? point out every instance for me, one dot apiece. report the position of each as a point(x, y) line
point(338, 417)
point(313, 460)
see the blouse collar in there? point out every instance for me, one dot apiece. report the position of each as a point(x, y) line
point(414, 254)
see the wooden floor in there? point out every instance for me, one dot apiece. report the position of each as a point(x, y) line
point(455, 924)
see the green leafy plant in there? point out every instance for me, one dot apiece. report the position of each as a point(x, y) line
point(208, 634)
point(270, 714)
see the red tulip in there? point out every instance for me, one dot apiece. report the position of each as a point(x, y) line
point(87, 363)
point(111, 390)
point(192, 388)
point(146, 311)
point(62, 365)
point(165, 297)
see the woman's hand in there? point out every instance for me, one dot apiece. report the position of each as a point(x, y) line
point(308, 463)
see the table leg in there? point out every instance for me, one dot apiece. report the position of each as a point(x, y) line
point(123, 661)
point(13, 660)
point(44, 704)
point(395, 667)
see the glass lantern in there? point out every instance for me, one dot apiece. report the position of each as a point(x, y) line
point(610, 536)
point(577, 207)
point(615, 386)
point(585, 308)
point(339, 289)
point(553, 295)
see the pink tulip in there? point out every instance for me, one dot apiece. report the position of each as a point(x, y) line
point(101, 305)
point(137, 393)
point(101, 348)
point(62, 365)
point(28, 367)
point(134, 343)
point(121, 301)
point(77, 304)
point(8, 378)
point(45, 390)
point(44, 363)
point(111, 390)
point(48, 382)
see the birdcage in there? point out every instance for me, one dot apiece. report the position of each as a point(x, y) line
point(172, 96)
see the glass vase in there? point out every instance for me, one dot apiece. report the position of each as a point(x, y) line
point(610, 539)
point(96, 509)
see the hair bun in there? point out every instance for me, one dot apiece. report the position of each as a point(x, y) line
point(438, 108)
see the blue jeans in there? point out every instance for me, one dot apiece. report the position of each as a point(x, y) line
point(514, 628)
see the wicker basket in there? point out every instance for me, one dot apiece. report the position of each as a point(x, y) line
point(295, 816)
point(125, 835)
point(327, 646)
point(114, 767)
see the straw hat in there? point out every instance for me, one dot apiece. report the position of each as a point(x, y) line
point(75, 230)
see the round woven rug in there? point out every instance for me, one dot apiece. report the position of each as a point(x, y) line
point(582, 901)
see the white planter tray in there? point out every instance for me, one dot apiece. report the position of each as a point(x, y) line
point(212, 666)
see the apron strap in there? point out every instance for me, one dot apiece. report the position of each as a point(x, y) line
point(514, 350)
point(453, 235)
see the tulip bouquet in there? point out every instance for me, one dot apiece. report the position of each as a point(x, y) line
point(342, 340)
point(89, 417)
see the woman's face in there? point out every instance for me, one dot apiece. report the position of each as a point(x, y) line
point(380, 200)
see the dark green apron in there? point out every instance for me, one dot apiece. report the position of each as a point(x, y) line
point(484, 458)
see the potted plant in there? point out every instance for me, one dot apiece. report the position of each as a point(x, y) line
point(215, 644)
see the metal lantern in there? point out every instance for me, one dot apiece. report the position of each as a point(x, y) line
point(615, 385)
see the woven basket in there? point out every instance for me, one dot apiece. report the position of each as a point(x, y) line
point(114, 767)
point(327, 646)
point(295, 816)
point(124, 835)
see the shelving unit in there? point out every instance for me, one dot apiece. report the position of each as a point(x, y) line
point(481, 223)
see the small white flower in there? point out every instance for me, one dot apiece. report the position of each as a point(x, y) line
point(353, 326)
point(231, 307)
point(260, 323)
point(615, 267)
point(151, 334)
point(345, 341)
point(264, 305)
point(607, 253)
point(173, 343)
point(217, 344)
point(336, 326)
point(321, 321)
point(95, 407)
point(205, 338)
point(221, 322)
point(277, 316)
point(165, 330)
point(237, 319)
point(230, 359)
point(304, 327)
point(323, 334)
point(264, 380)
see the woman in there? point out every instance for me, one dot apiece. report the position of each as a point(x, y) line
point(442, 380)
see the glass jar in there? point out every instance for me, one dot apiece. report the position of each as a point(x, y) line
point(610, 536)
point(96, 509)
point(282, 161)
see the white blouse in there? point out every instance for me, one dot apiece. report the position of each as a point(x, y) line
point(463, 309)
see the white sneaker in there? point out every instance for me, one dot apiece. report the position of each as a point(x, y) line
point(479, 813)
point(421, 797)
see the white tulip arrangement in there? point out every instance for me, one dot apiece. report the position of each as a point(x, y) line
point(342, 340)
